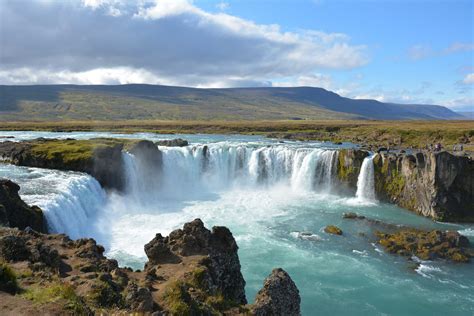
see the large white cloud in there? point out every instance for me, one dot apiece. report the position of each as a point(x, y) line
point(159, 41)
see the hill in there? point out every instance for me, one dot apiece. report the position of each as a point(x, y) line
point(139, 101)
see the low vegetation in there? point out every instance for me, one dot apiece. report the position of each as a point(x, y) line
point(8, 279)
point(55, 292)
point(413, 134)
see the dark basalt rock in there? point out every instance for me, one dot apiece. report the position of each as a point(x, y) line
point(279, 296)
point(16, 213)
point(436, 185)
point(138, 299)
point(178, 142)
point(107, 167)
point(219, 245)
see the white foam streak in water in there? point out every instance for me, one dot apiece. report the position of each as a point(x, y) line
point(365, 181)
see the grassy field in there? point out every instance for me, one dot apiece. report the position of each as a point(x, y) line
point(415, 134)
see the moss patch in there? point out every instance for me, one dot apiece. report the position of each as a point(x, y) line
point(8, 279)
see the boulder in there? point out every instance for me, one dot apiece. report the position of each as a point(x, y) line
point(331, 229)
point(177, 142)
point(278, 297)
point(138, 299)
point(14, 212)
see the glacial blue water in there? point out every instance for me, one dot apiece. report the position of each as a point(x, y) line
point(267, 193)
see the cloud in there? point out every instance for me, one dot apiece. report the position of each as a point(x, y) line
point(421, 51)
point(458, 47)
point(460, 104)
point(162, 41)
point(311, 80)
point(469, 79)
point(223, 6)
point(418, 52)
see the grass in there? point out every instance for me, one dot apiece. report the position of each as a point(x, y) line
point(8, 279)
point(55, 292)
point(413, 134)
point(71, 151)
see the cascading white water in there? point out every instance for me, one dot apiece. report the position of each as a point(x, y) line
point(193, 171)
point(71, 201)
point(365, 181)
point(74, 207)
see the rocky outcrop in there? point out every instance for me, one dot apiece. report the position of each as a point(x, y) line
point(427, 245)
point(14, 212)
point(74, 277)
point(221, 267)
point(279, 296)
point(349, 163)
point(435, 185)
point(101, 158)
point(177, 142)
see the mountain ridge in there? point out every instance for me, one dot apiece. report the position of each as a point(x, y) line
point(145, 101)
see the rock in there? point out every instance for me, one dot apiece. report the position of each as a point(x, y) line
point(331, 229)
point(223, 265)
point(158, 251)
point(101, 158)
point(349, 163)
point(426, 245)
point(178, 142)
point(138, 299)
point(108, 167)
point(13, 248)
point(436, 185)
point(16, 213)
point(279, 296)
point(352, 215)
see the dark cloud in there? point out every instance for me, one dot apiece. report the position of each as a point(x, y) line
point(163, 42)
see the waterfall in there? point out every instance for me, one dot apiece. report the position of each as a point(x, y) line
point(202, 169)
point(73, 207)
point(365, 181)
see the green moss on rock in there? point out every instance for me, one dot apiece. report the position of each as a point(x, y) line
point(8, 279)
point(331, 229)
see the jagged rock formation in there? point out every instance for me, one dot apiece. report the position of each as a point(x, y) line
point(193, 271)
point(436, 185)
point(16, 213)
point(279, 296)
point(221, 266)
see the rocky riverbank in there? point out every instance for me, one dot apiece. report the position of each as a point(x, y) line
point(433, 184)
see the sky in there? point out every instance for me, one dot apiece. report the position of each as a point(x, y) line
point(404, 51)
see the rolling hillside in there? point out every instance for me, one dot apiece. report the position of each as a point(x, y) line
point(137, 101)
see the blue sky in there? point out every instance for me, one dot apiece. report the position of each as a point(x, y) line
point(394, 51)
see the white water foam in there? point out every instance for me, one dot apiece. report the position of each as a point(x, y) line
point(365, 181)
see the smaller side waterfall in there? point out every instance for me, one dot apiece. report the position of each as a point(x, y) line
point(365, 182)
